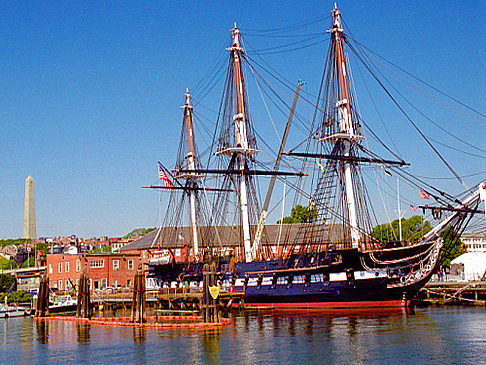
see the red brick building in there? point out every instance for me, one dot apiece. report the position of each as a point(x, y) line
point(103, 269)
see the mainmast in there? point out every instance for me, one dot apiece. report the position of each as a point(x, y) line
point(346, 131)
point(191, 166)
point(241, 150)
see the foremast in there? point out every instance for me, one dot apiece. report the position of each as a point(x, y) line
point(346, 131)
point(187, 107)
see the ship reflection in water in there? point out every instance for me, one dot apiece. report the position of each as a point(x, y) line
point(430, 335)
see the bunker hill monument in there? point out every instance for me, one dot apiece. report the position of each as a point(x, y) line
point(29, 209)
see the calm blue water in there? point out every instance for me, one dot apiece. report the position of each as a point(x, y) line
point(451, 335)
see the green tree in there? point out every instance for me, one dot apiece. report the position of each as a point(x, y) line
point(7, 264)
point(30, 262)
point(16, 241)
point(21, 296)
point(139, 232)
point(107, 249)
point(301, 214)
point(42, 248)
point(7, 282)
point(412, 230)
point(452, 247)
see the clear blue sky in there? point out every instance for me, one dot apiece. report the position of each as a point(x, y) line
point(90, 91)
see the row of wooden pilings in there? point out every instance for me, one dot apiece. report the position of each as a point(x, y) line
point(210, 301)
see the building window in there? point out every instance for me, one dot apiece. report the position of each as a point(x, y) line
point(50, 268)
point(78, 265)
point(115, 283)
point(66, 266)
point(130, 264)
point(128, 282)
point(96, 263)
point(60, 268)
point(103, 283)
point(77, 283)
point(68, 285)
point(59, 283)
point(116, 264)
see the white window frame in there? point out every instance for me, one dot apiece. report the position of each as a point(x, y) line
point(78, 265)
point(130, 264)
point(66, 266)
point(50, 268)
point(60, 267)
point(96, 264)
point(116, 264)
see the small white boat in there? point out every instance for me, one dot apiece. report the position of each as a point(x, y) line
point(7, 311)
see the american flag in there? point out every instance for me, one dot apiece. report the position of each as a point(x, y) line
point(163, 176)
point(424, 195)
point(413, 207)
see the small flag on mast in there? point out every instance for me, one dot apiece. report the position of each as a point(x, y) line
point(413, 207)
point(424, 195)
point(163, 176)
point(322, 167)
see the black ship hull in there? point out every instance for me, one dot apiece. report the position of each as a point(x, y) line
point(348, 283)
point(332, 279)
point(339, 294)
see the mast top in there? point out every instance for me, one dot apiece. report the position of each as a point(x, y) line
point(336, 20)
point(236, 39)
point(188, 103)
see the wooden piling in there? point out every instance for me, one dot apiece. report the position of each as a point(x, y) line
point(139, 303)
point(210, 306)
point(42, 307)
point(83, 306)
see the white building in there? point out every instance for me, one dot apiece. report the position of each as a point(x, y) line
point(471, 265)
point(475, 242)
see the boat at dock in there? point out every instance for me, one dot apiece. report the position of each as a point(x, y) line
point(12, 310)
point(335, 259)
point(63, 303)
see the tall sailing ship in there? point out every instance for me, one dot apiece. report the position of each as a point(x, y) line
point(334, 260)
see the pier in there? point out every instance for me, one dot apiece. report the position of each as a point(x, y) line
point(173, 299)
point(454, 292)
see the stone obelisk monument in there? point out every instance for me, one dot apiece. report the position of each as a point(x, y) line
point(29, 209)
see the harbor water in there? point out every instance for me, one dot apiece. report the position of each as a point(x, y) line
point(434, 335)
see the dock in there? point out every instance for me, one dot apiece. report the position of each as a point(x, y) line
point(165, 299)
point(454, 292)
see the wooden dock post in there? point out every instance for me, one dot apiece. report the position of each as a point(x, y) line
point(210, 312)
point(42, 307)
point(83, 307)
point(139, 303)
